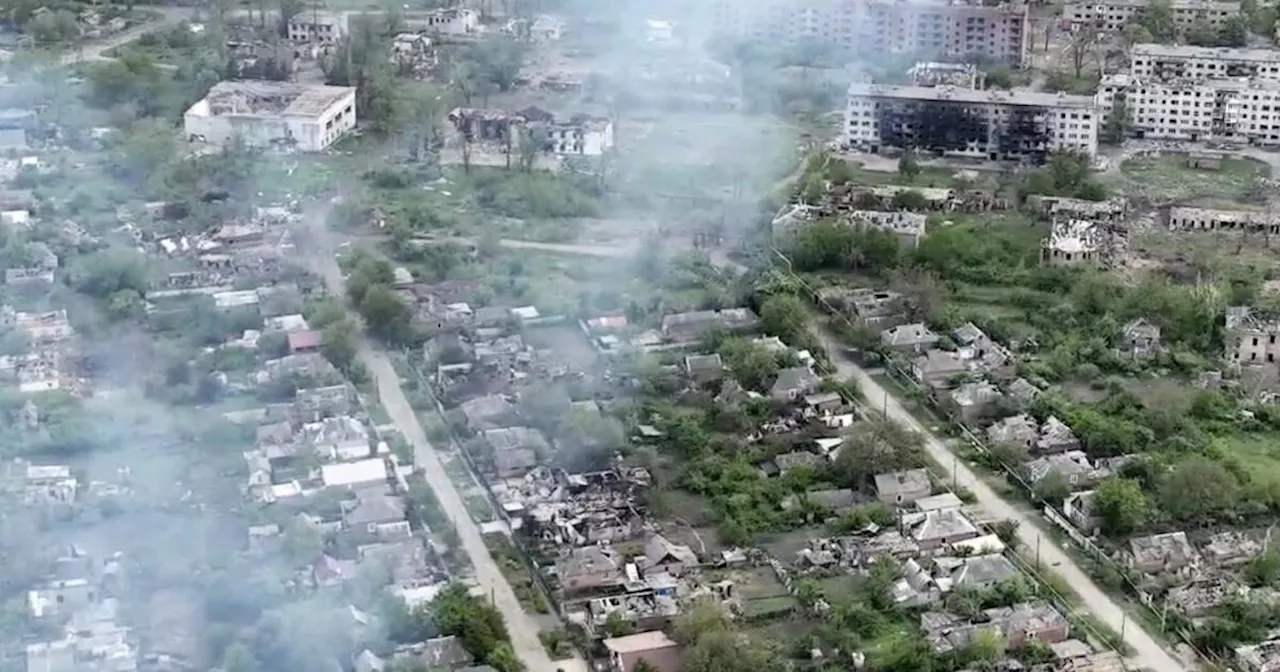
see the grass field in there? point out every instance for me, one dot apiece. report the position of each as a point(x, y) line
point(1169, 177)
point(1259, 454)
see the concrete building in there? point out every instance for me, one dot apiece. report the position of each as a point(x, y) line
point(1208, 219)
point(318, 26)
point(963, 75)
point(1170, 62)
point(656, 648)
point(987, 124)
point(1114, 15)
point(580, 134)
point(1250, 338)
point(1242, 110)
point(1080, 241)
point(930, 28)
point(446, 21)
point(909, 227)
point(263, 113)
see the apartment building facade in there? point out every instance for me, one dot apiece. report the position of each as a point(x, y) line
point(1168, 62)
point(925, 28)
point(1114, 15)
point(965, 122)
point(1190, 93)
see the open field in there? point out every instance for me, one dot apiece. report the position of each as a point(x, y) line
point(1169, 178)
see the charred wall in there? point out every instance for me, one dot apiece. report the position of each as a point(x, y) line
point(937, 126)
point(1026, 135)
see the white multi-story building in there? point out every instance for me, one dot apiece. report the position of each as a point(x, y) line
point(927, 28)
point(318, 26)
point(263, 113)
point(1167, 62)
point(1244, 110)
point(1114, 15)
point(453, 21)
point(989, 124)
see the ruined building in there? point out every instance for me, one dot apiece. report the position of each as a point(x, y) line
point(987, 124)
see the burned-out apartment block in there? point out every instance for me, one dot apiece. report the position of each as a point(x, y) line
point(988, 124)
point(932, 28)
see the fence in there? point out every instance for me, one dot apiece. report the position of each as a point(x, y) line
point(525, 555)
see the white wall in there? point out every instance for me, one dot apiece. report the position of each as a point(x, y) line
point(310, 134)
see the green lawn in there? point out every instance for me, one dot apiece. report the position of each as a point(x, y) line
point(1170, 177)
point(1259, 454)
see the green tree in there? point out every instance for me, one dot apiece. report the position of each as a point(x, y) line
point(477, 624)
point(1007, 531)
point(1116, 127)
point(752, 365)
point(1082, 44)
point(1053, 488)
point(908, 165)
point(1234, 32)
point(785, 316)
point(385, 314)
point(340, 344)
point(1264, 570)
point(1199, 488)
point(987, 646)
point(1202, 34)
point(1158, 20)
point(616, 625)
point(1121, 505)
point(877, 446)
point(1136, 33)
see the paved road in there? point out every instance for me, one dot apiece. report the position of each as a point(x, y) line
point(523, 628)
point(1147, 652)
point(94, 51)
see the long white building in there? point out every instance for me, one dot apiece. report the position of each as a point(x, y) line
point(264, 113)
point(1114, 15)
point(1194, 93)
point(949, 29)
point(989, 124)
point(1168, 62)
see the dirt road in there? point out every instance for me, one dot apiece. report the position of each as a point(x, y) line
point(1147, 652)
point(523, 628)
point(94, 51)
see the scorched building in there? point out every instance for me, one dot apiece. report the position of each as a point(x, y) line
point(263, 113)
point(989, 124)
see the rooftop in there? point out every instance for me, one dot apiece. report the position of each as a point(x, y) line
point(1216, 53)
point(351, 473)
point(1074, 236)
point(259, 98)
point(953, 94)
point(641, 641)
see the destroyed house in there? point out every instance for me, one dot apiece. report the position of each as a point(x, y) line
point(689, 327)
